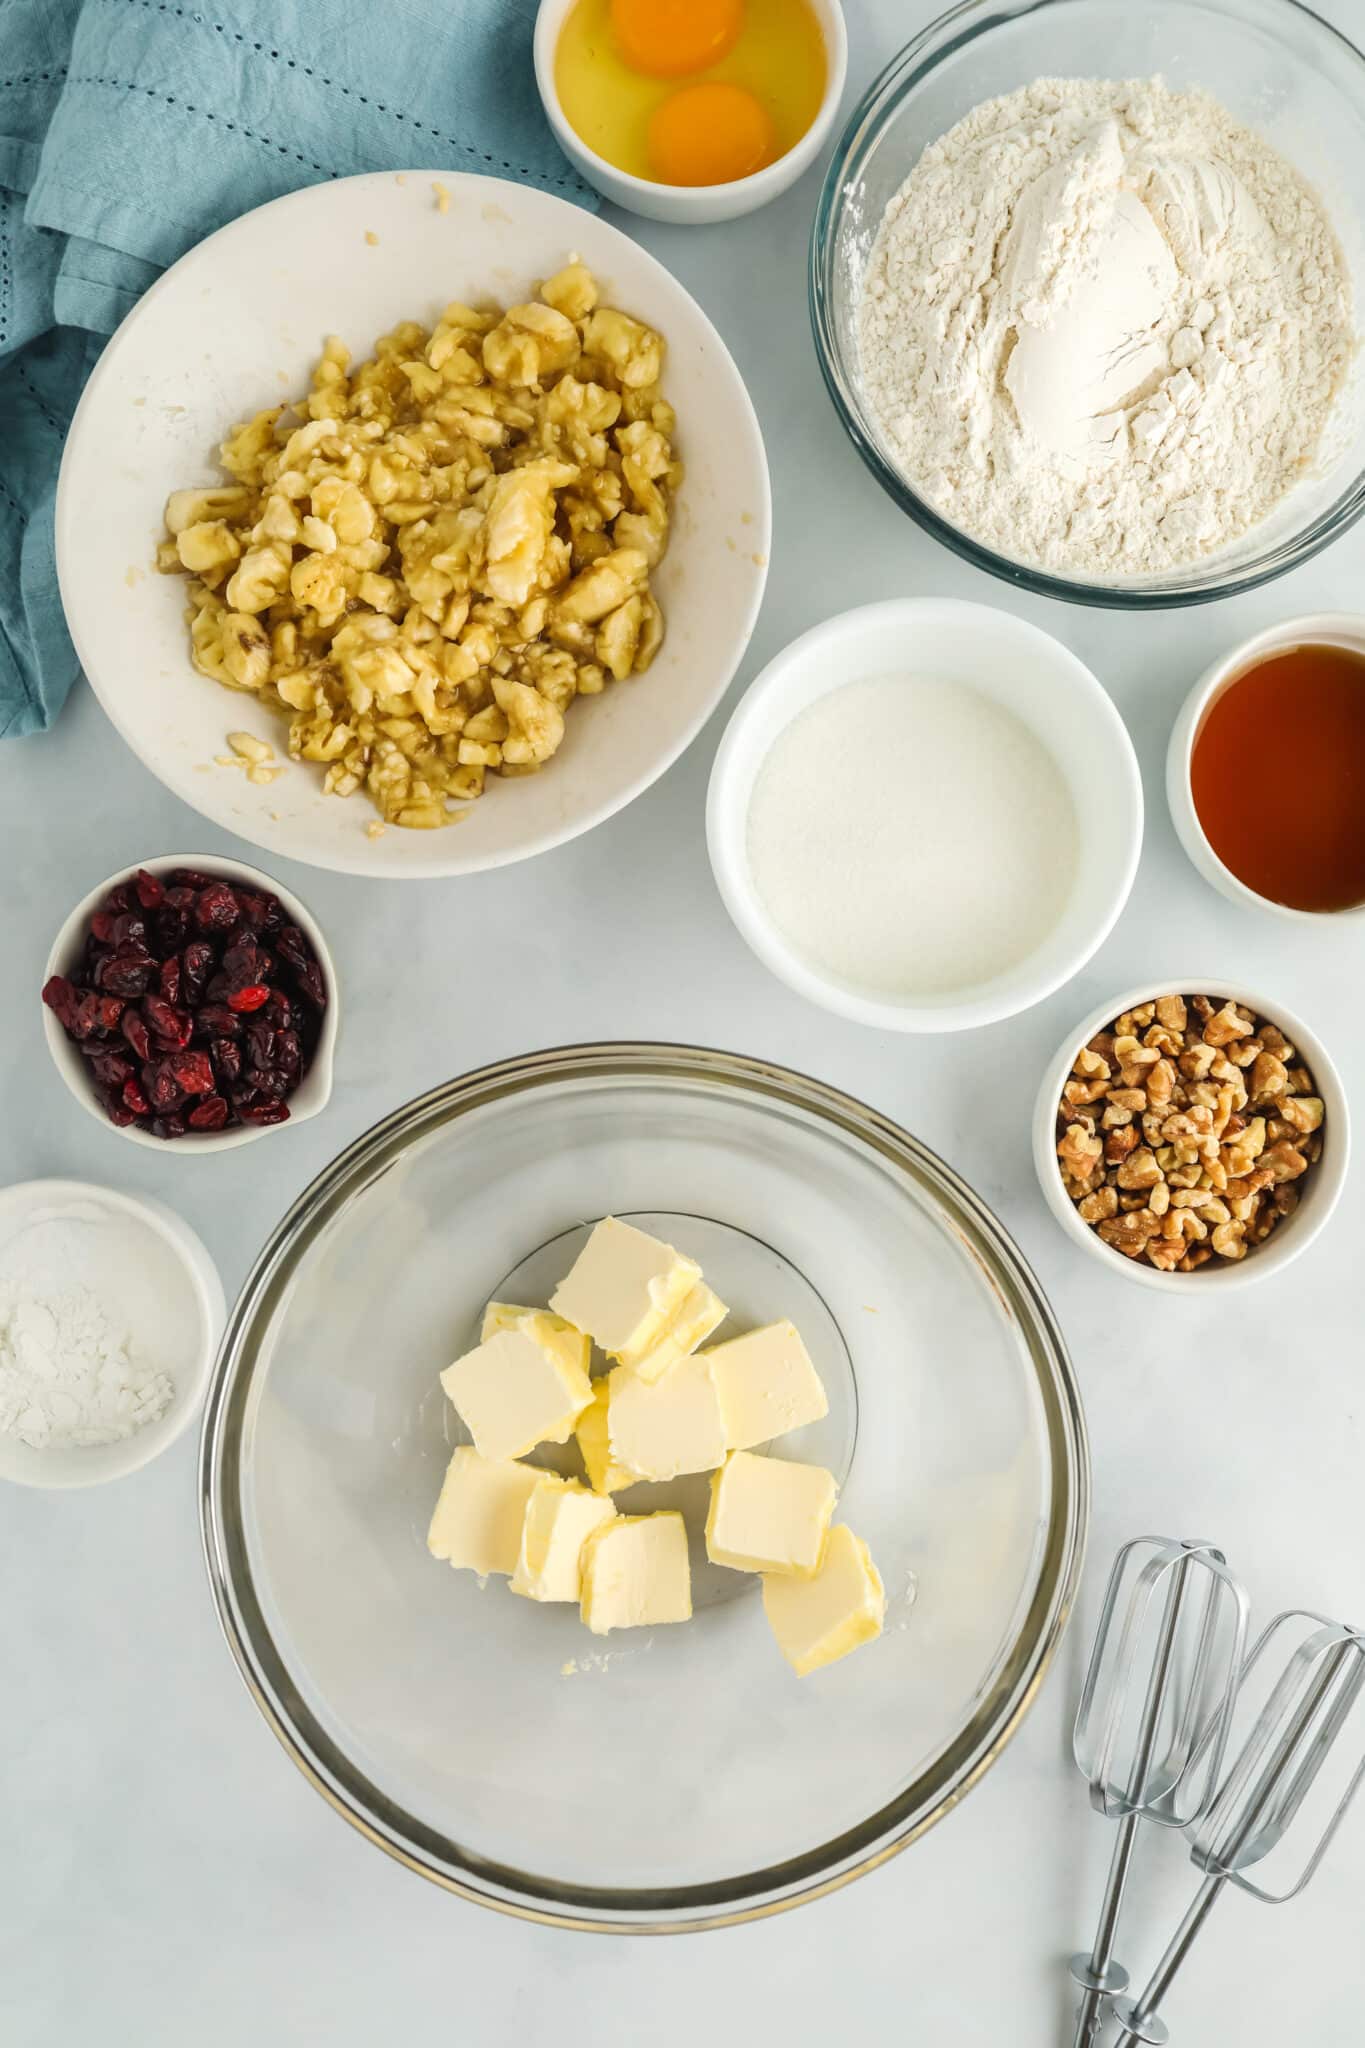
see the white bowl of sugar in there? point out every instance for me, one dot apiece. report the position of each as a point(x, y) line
point(925, 815)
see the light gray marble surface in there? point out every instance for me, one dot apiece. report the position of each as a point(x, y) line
point(167, 1877)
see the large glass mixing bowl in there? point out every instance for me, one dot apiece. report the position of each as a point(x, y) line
point(1274, 64)
point(674, 1777)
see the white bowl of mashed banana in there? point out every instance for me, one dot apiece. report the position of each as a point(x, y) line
point(442, 493)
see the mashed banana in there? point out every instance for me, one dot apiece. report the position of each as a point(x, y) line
point(422, 563)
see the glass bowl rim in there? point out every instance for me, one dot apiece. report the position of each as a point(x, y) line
point(684, 1908)
point(947, 34)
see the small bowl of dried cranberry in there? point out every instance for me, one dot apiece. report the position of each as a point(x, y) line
point(192, 999)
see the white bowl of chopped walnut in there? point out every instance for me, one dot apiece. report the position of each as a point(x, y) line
point(1192, 1138)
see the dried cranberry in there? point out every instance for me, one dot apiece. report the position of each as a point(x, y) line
point(134, 1099)
point(245, 964)
point(162, 1089)
point(250, 998)
point(264, 1112)
point(215, 908)
point(310, 984)
point(112, 1068)
point(84, 1017)
point(191, 1070)
point(226, 1058)
point(172, 1126)
point(260, 1041)
point(169, 1023)
point(126, 974)
point(59, 996)
point(270, 1084)
point(150, 889)
point(169, 929)
point(134, 1027)
point(209, 1115)
point(255, 909)
point(218, 1020)
point(196, 962)
point(169, 978)
point(293, 946)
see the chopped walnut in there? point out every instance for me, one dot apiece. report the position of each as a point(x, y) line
point(1185, 1130)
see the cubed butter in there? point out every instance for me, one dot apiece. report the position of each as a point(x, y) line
point(560, 1517)
point(624, 1289)
point(512, 1393)
point(552, 1333)
point(818, 1620)
point(660, 1428)
point(769, 1515)
point(635, 1573)
point(604, 1474)
point(478, 1520)
point(767, 1385)
point(701, 1313)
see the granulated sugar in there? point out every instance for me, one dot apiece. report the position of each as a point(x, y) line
point(911, 837)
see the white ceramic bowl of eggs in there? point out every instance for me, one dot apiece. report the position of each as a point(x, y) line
point(691, 205)
point(943, 843)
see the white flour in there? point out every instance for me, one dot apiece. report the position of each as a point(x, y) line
point(72, 1371)
point(1104, 326)
point(911, 836)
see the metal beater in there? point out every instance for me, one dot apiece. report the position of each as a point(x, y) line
point(1153, 1721)
point(1308, 1708)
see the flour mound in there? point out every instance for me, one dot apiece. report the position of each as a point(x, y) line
point(1104, 326)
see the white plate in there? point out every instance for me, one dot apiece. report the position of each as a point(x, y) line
point(236, 325)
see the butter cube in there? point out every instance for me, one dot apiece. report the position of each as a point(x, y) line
point(624, 1289)
point(700, 1314)
point(635, 1573)
point(512, 1393)
point(552, 1333)
point(560, 1517)
point(818, 1620)
point(769, 1515)
point(660, 1428)
point(767, 1385)
point(478, 1519)
point(604, 1474)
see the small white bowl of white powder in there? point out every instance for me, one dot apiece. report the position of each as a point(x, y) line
point(110, 1315)
point(925, 815)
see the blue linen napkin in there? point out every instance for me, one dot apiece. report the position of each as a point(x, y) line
point(130, 129)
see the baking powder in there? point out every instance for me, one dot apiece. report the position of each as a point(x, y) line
point(75, 1368)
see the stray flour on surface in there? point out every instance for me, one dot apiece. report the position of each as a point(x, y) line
point(1104, 326)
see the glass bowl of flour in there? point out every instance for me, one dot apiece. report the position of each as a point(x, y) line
point(1082, 291)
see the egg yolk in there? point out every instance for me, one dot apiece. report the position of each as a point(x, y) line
point(669, 38)
point(708, 135)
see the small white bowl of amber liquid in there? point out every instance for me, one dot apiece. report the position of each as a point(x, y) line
point(1265, 773)
point(691, 111)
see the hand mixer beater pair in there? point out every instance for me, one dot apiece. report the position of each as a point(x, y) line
point(1169, 1696)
